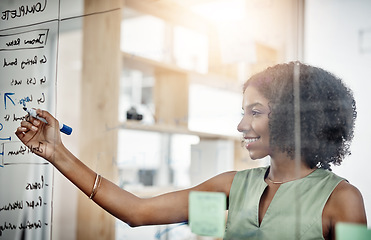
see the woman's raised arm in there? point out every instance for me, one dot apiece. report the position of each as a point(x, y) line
point(44, 140)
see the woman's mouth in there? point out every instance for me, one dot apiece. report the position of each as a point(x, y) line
point(250, 140)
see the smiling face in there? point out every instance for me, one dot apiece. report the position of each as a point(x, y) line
point(254, 124)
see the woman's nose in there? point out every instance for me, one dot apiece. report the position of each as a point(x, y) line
point(244, 124)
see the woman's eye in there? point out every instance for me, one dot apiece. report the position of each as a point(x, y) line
point(254, 112)
point(251, 113)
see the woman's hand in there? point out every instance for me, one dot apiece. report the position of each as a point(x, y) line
point(41, 138)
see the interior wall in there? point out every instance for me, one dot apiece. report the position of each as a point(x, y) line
point(68, 108)
point(337, 38)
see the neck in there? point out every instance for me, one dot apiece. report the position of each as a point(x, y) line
point(284, 169)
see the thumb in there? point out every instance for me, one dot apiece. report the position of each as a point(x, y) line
point(48, 117)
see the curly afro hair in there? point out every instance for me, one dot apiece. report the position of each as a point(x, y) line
point(327, 112)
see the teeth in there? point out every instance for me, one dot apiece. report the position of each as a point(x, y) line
point(250, 140)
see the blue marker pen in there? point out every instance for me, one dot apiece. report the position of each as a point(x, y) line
point(63, 128)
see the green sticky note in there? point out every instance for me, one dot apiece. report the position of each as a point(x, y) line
point(348, 231)
point(207, 213)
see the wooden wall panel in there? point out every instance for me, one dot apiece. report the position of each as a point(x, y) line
point(171, 98)
point(99, 109)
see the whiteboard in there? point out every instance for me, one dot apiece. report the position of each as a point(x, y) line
point(28, 60)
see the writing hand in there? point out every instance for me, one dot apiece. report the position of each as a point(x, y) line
point(41, 138)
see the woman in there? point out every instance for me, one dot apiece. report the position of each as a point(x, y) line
point(296, 197)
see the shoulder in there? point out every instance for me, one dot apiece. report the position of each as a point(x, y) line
point(346, 204)
point(223, 182)
point(219, 183)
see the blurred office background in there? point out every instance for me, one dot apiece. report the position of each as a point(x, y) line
point(180, 65)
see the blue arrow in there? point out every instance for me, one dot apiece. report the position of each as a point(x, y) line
point(4, 139)
point(7, 95)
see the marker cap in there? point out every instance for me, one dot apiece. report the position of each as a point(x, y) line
point(65, 129)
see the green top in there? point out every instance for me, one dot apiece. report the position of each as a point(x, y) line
point(294, 213)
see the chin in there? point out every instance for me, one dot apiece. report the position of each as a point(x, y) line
point(253, 157)
point(256, 156)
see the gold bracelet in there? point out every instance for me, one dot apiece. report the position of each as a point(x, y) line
point(100, 180)
point(97, 181)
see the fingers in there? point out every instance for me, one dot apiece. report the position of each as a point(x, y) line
point(47, 116)
point(26, 131)
point(30, 125)
point(33, 124)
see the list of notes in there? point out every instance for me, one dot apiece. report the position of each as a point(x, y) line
point(28, 60)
